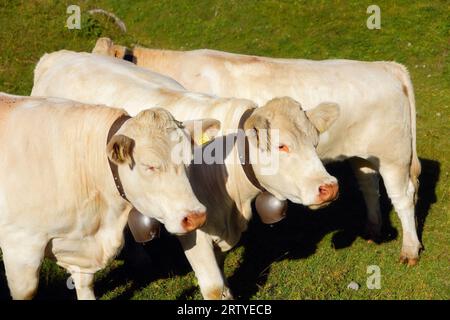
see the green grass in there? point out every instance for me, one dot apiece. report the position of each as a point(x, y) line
point(312, 255)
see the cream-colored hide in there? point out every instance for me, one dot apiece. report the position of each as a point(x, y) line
point(58, 197)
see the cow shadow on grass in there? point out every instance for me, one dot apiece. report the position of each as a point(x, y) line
point(296, 237)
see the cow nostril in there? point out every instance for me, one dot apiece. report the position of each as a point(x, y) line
point(328, 192)
point(324, 189)
point(194, 220)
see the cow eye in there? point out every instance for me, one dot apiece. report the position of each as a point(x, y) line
point(150, 167)
point(283, 148)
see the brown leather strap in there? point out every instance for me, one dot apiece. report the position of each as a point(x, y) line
point(244, 155)
point(114, 169)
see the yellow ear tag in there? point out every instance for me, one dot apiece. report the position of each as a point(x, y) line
point(203, 139)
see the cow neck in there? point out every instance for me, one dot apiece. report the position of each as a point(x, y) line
point(117, 124)
point(244, 152)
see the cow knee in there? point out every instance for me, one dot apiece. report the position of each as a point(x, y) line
point(26, 292)
point(22, 264)
point(23, 287)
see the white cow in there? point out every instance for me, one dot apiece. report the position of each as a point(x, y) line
point(376, 129)
point(222, 186)
point(58, 194)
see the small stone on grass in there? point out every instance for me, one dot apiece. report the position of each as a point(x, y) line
point(353, 285)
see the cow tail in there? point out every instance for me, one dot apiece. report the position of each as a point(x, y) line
point(415, 168)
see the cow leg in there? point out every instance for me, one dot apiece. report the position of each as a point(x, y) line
point(369, 183)
point(199, 250)
point(22, 263)
point(84, 285)
point(400, 190)
point(220, 258)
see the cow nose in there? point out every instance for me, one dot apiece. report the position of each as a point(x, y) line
point(193, 220)
point(328, 192)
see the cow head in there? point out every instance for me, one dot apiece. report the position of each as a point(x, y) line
point(282, 131)
point(155, 181)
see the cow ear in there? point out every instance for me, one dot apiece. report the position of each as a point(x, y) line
point(260, 127)
point(120, 150)
point(323, 116)
point(202, 130)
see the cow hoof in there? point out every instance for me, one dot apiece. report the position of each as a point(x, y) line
point(412, 262)
point(409, 261)
point(372, 238)
point(219, 294)
point(410, 254)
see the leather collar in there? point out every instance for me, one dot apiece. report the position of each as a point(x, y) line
point(114, 169)
point(244, 151)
